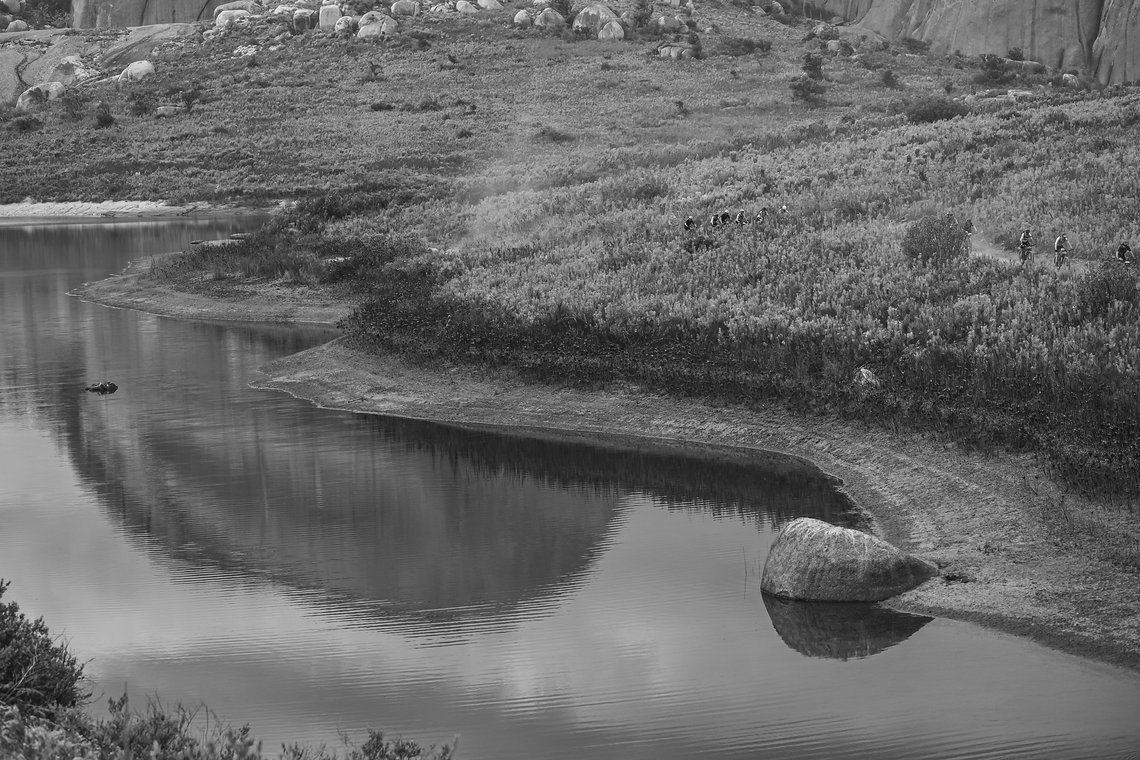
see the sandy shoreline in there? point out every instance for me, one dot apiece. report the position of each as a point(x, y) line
point(1017, 554)
point(81, 210)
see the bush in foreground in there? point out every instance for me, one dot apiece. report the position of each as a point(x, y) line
point(37, 675)
point(934, 240)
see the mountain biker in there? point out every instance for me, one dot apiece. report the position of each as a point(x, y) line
point(1025, 244)
point(968, 231)
point(714, 220)
point(1124, 253)
point(690, 224)
point(740, 219)
point(763, 215)
point(1061, 249)
point(725, 217)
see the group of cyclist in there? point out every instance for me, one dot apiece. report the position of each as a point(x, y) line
point(1061, 248)
point(723, 219)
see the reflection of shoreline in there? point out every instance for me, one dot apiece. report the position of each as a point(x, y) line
point(840, 630)
point(924, 496)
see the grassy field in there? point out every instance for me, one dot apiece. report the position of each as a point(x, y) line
point(514, 198)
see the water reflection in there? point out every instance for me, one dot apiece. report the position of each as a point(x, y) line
point(840, 631)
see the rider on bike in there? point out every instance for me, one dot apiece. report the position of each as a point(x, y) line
point(1061, 249)
point(1025, 244)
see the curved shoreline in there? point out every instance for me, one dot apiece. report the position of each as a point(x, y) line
point(1017, 554)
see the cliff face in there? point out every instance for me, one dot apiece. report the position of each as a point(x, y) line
point(1091, 35)
point(108, 14)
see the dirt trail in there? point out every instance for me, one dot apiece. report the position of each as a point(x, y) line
point(1043, 256)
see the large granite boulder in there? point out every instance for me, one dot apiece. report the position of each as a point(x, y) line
point(814, 561)
point(549, 19)
point(41, 93)
point(136, 72)
point(15, 7)
point(612, 32)
point(1087, 34)
point(593, 17)
point(250, 6)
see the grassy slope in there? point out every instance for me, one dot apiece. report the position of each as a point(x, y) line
point(554, 174)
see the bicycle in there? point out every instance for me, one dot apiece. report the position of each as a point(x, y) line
point(1025, 252)
point(1061, 258)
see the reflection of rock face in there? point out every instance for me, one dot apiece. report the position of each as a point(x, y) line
point(837, 630)
point(1090, 34)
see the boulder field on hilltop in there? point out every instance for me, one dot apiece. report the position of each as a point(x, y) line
point(1090, 35)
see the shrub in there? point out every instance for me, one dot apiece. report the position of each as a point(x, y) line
point(564, 8)
point(912, 45)
point(1100, 290)
point(889, 79)
point(807, 90)
point(73, 104)
point(41, 13)
point(103, 117)
point(813, 66)
point(547, 133)
point(1015, 54)
point(930, 110)
point(738, 46)
point(26, 124)
point(140, 103)
point(37, 675)
point(936, 240)
point(992, 71)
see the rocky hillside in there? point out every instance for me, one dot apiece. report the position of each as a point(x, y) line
point(1091, 35)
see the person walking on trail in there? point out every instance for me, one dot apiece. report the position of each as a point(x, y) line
point(1124, 253)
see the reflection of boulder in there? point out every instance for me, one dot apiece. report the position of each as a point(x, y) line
point(814, 561)
point(840, 631)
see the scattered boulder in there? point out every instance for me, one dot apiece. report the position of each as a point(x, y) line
point(593, 18)
point(612, 32)
point(775, 9)
point(374, 24)
point(549, 19)
point(165, 112)
point(304, 19)
point(345, 25)
point(229, 18)
point(441, 8)
point(41, 93)
point(284, 10)
point(490, 5)
point(19, 25)
point(249, 6)
point(136, 72)
point(814, 561)
point(824, 32)
point(466, 8)
point(522, 18)
point(70, 70)
point(840, 47)
point(1019, 95)
point(668, 23)
point(327, 17)
point(677, 51)
point(1071, 80)
point(12, 6)
point(405, 8)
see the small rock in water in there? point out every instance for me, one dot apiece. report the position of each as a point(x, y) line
point(102, 388)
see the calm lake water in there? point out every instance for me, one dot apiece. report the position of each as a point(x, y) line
point(314, 573)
